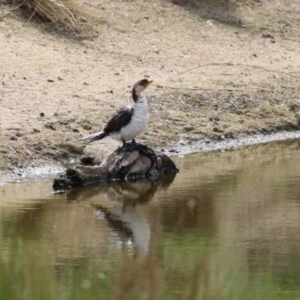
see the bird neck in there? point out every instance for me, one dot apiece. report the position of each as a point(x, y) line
point(140, 101)
point(140, 107)
point(135, 96)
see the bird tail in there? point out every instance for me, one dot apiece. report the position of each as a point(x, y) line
point(95, 136)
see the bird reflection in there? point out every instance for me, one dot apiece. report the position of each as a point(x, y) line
point(120, 210)
point(130, 225)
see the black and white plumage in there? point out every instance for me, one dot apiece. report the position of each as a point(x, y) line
point(129, 121)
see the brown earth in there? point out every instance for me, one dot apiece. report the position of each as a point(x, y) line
point(216, 74)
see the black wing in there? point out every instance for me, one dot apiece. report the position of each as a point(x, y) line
point(120, 119)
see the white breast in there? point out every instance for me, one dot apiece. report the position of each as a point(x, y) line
point(137, 124)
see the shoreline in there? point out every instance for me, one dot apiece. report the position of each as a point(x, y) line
point(183, 147)
point(39, 170)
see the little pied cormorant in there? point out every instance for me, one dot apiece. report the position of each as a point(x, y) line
point(129, 121)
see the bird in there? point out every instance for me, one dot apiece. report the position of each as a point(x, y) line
point(129, 121)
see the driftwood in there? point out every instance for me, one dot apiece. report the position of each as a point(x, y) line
point(122, 164)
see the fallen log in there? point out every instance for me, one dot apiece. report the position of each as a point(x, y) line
point(122, 164)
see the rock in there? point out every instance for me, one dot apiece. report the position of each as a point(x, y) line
point(123, 163)
point(188, 128)
point(50, 125)
point(297, 116)
point(267, 36)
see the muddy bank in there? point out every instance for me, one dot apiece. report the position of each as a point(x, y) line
point(216, 86)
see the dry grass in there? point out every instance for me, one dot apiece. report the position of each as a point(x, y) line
point(63, 15)
point(66, 17)
point(196, 113)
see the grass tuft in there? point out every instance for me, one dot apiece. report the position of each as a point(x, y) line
point(63, 14)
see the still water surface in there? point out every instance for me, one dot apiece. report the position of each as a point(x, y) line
point(226, 227)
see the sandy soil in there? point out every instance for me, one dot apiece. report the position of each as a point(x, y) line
point(213, 77)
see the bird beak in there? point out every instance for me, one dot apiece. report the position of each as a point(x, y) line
point(148, 83)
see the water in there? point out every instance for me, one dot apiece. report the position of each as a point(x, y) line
point(226, 227)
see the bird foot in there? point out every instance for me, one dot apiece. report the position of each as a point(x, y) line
point(129, 146)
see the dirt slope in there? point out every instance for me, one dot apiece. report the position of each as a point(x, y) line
point(211, 79)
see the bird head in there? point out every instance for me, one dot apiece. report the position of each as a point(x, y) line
point(139, 87)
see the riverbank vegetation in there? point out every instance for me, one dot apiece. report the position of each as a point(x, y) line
point(173, 274)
